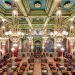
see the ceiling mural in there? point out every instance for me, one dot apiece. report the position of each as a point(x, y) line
point(67, 4)
point(37, 4)
point(22, 20)
point(34, 11)
point(38, 19)
point(7, 4)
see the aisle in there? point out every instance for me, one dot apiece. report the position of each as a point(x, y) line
point(23, 60)
point(37, 68)
point(50, 59)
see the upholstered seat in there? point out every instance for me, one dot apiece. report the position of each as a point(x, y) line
point(20, 72)
point(1, 72)
point(54, 72)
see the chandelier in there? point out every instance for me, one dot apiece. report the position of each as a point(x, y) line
point(58, 32)
point(15, 32)
point(2, 29)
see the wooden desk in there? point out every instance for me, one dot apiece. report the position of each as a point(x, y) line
point(10, 72)
point(73, 72)
point(54, 72)
point(30, 71)
point(65, 72)
point(44, 71)
point(22, 68)
point(20, 72)
point(1, 71)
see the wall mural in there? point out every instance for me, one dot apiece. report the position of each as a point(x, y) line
point(71, 45)
point(49, 45)
point(26, 46)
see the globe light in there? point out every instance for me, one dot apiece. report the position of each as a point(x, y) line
point(55, 47)
point(43, 47)
point(15, 45)
point(58, 45)
point(71, 26)
point(73, 49)
point(45, 37)
point(71, 19)
point(55, 32)
point(5, 38)
point(22, 34)
point(10, 32)
point(12, 49)
point(0, 37)
point(62, 49)
point(3, 19)
point(65, 33)
point(6, 33)
point(3, 44)
point(3, 52)
point(51, 33)
point(15, 12)
point(71, 43)
point(3, 27)
point(32, 47)
point(58, 13)
point(19, 33)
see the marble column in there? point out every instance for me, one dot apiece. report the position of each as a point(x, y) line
point(4, 47)
point(20, 48)
point(55, 51)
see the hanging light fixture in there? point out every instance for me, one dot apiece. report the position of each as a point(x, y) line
point(15, 32)
point(58, 31)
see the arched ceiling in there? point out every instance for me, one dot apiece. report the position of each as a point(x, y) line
point(41, 15)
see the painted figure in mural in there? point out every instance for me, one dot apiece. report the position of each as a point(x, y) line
point(26, 46)
point(48, 46)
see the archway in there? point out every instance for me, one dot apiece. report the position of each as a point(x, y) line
point(37, 46)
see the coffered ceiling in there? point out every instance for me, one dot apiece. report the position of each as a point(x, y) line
point(37, 14)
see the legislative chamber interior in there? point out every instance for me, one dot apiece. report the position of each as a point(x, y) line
point(37, 37)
